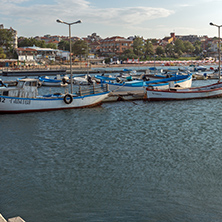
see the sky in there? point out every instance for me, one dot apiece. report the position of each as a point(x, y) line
point(107, 18)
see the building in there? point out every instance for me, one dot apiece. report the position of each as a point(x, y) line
point(168, 40)
point(26, 54)
point(49, 38)
point(36, 53)
point(94, 37)
point(116, 45)
point(189, 38)
point(94, 47)
point(213, 47)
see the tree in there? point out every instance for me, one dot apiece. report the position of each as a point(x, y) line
point(169, 50)
point(26, 42)
point(148, 48)
point(63, 45)
point(2, 54)
point(188, 47)
point(138, 47)
point(198, 48)
point(159, 51)
point(51, 45)
point(6, 39)
point(179, 46)
point(80, 48)
point(127, 54)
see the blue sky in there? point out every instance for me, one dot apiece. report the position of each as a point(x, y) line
point(147, 18)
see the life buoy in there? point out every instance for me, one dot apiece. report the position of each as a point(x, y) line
point(68, 99)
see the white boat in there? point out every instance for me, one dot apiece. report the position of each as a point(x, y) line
point(182, 81)
point(85, 80)
point(57, 81)
point(24, 98)
point(134, 90)
point(138, 85)
point(203, 92)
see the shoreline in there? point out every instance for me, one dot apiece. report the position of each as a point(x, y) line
point(98, 68)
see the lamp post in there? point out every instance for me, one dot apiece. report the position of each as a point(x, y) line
point(70, 48)
point(218, 26)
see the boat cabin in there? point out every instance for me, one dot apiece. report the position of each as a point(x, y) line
point(26, 88)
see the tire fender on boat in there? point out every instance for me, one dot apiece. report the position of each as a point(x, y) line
point(68, 99)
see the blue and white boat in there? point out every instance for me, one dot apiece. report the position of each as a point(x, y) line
point(57, 81)
point(203, 92)
point(24, 98)
point(183, 81)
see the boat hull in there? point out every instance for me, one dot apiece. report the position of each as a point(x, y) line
point(21, 105)
point(137, 85)
point(54, 84)
point(210, 91)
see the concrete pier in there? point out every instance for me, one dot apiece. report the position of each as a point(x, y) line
point(33, 72)
point(14, 219)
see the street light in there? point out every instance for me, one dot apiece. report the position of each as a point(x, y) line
point(70, 48)
point(218, 26)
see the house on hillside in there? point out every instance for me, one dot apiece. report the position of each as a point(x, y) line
point(115, 45)
point(36, 53)
point(26, 54)
point(168, 40)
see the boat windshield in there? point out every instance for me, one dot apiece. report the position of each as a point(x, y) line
point(31, 83)
point(21, 84)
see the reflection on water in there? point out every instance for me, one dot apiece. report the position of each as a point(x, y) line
point(124, 161)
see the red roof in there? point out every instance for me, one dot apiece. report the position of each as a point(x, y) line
point(26, 49)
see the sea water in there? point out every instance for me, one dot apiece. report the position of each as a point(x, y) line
point(124, 161)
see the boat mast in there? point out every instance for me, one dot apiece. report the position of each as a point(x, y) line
point(219, 45)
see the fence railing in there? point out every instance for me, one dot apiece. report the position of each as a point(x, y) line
point(93, 89)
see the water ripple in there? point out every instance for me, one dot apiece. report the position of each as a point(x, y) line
point(122, 161)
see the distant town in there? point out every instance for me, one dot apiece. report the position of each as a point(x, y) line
point(55, 49)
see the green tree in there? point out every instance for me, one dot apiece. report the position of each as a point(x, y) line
point(63, 45)
point(2, 54)
point(128, 54)
point(6, 39)
point(51, 45)
point(188, 47)
point(169, 50)
point(26, 42)
point(80, 48)
point(148, 48)
point(198, 48)
point(160, 51)
point(179, 46)
point(138, 46)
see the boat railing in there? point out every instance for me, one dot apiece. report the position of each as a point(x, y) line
point(93, 89)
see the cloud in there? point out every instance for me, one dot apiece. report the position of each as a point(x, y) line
point(128, 15)
point(69, 10)
point(184, 5)
point(13, 1)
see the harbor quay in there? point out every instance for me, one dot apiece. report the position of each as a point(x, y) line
point(13, 219)
point(51, 70)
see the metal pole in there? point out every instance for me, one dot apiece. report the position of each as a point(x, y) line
point(87, 59)
point(70, 57)
point(70, 48)
point(219, 50)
